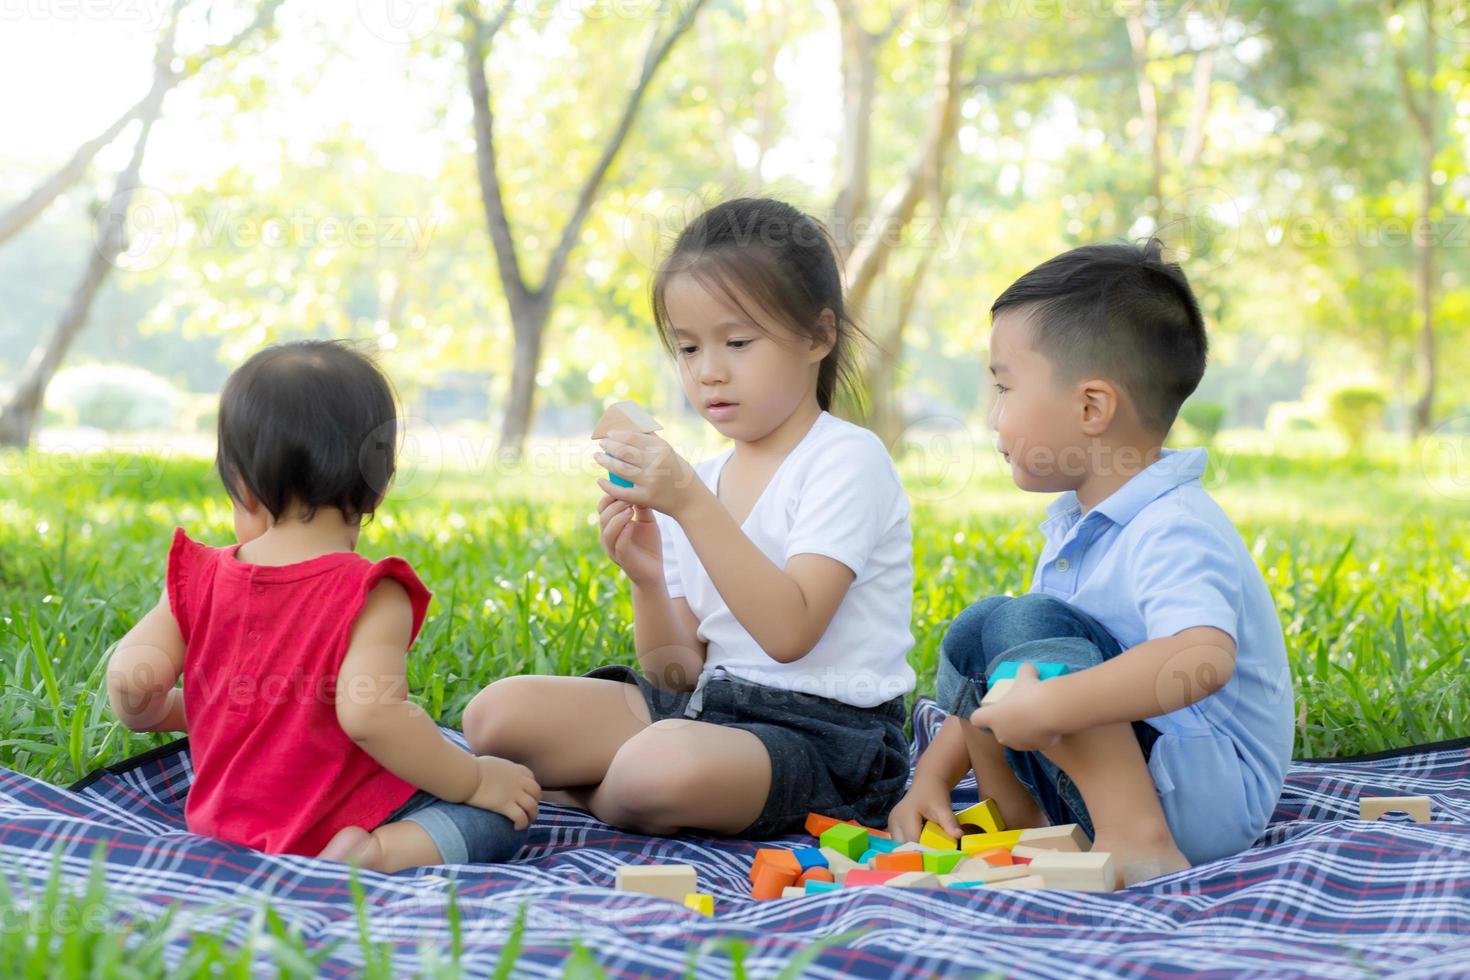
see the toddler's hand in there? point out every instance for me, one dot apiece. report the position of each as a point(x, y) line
point(661, 478)
point(508, 789)
point(631, 538)
point(1023, 719)
point(927, 799)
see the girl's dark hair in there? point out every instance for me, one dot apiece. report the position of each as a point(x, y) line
point(777, 256)
point(313, 423)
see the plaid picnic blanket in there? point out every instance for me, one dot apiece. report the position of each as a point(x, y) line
point(1321, 894)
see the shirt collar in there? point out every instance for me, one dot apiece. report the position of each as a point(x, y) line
point(1173, 468)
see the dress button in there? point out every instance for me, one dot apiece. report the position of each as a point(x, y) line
point(1063, 564)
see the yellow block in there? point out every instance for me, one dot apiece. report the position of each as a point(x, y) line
point(974, 843)
point(703, 904)
point(983, 814)
point(933, 836)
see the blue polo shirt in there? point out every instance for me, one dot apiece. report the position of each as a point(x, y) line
point(1158, 557)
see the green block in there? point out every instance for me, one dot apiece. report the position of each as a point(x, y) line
point(845, 839)
point(943, 862)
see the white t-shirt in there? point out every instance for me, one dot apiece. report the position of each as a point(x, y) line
point(836, 494)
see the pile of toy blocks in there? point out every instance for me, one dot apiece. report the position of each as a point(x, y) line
point(988, 855)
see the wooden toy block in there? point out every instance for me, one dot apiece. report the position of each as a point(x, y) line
point(995, 690)
point(624, 415)
point(627, 415)
point(983, 816)
point(810, 857)
point(1066, 837)
point(933, 836)
point(913, 879)
point(874, 832)
point(905, 861)
point(775, 857)
point(1025, 853)
point(882, 845)
point(846, 839)
point(858, 877)
point(1091, 871)
point(996, 856)
point(1373, 807)
point(867, 857)
point(974, 843)
point(838, 864)
point(703, 904)
point(793, 892)
point(817, 823)
point(987, 873)
point(914, 846)
point(818, 887)
point(671, 881)
point(942, 863)
point(815, 874)
point(1029, 881)
point(1020, 859)
point(770, 881)
point(1007, 669)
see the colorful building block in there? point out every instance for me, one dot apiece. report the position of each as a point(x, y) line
point(913, 879)
point(625, 415)
point(1064, 837)
point(979, 871)
point(792, 892)
point(810, 857)
point(703, 904)
point(942, 863)
point(1373, 807)
point(983, 816)
point(846, 839)
point(671, 881)
point(996, 856)
point(933, 836)
point(1006, 669)
point(882, 845)
point(775, 857)
point(900, 861)
point(770, 881)
point(817, 823)
point(838, 864)
point(1091, 871)
point(816, 874)
point(1029, 881)
point(818, 887)
point(974, 843)
point(859, 877)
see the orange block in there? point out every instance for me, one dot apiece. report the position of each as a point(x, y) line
point(770, 881)
point(873, 832)
point(899, 861)
point(817, 823)
point(997, 856)
point(815, 874)
point(774, 857)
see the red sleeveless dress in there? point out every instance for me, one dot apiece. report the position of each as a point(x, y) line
point(273, 769)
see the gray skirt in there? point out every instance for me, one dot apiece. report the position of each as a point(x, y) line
point(827, 756)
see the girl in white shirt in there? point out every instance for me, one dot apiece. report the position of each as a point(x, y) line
point(772, 585)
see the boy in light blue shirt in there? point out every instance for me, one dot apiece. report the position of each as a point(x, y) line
point(1168, 737)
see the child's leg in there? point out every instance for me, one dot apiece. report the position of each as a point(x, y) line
point(391, 847)
point(680, 774)
point(566, 730)
point(962, 659)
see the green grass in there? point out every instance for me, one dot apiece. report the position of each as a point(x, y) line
point(1367, 560)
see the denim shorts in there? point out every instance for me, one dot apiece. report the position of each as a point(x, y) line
point(1033, 627)
point(464, 834)
point(827, 756)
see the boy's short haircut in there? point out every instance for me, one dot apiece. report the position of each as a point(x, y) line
point(1118, 311)
point(311, 422)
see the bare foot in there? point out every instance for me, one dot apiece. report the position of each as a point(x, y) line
point(1140, 860)
point(353, 845)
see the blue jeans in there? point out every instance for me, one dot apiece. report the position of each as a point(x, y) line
point(464, 834)
point(1032, 627)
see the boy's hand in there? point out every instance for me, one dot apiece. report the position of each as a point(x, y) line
point(927, 799)
point(1023, 719)
point(631, 538)
point(662, 479)
point(508, 789)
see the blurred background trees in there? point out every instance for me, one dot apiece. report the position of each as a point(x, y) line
point(482, 188)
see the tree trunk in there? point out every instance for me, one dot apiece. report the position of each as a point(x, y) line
point(530, 307)
point(1150, 113)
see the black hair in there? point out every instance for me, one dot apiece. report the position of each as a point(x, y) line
point(1120, 311)
point(779, 257)
point(312, 423)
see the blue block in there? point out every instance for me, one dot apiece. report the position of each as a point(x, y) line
point(810, 857)
point(965, 884)
point(1006, 670)
point(816, 887)
point(868, 855)
point(618, 481)
point(882, 845)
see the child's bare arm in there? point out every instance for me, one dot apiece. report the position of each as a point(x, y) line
point(1153, 678)
point(143, 672)
point(374, 710)
point(665, 632)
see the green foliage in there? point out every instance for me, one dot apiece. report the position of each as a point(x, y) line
point(1355, 411)
point(1204, 420)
